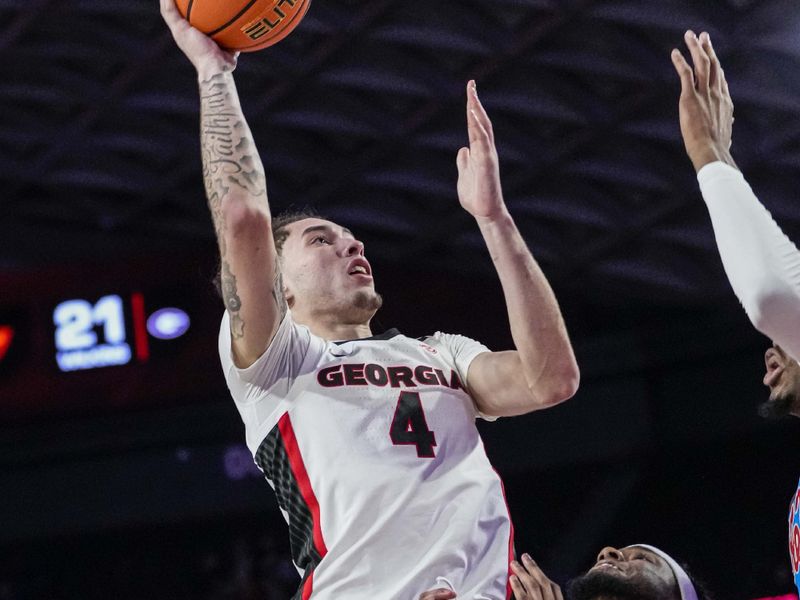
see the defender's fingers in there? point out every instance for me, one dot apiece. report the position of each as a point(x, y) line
point(684, 71)
point(547, 592)
point(538, 576)
point(700, 60)
point(524, 576)
point(520, 593)
point(713, 63)
point(557, 592)
point(534, 570)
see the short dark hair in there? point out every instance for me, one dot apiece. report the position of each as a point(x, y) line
point(287, 217)
point(279, 235)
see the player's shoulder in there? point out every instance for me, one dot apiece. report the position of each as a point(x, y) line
point(444, 337)
point(449, 341)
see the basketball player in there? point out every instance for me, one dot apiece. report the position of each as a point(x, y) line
point(762, 264)
point(369, 441)
point(639, 572)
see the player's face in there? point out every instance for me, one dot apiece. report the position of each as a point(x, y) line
point(325, 273)
point(629, 573)
point(783, 379)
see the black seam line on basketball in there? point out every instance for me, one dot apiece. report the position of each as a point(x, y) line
point(189, 12)
point(295, 16)
point(239, 14)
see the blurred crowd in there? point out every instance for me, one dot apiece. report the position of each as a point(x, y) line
point(197, 561)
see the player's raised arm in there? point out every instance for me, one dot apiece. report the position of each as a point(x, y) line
point(542, 371)
point(762, 264)
point(236, 190)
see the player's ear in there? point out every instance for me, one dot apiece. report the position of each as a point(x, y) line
point(288, 295)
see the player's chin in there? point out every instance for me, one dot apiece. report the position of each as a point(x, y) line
point(780, 405)
point(367, 299)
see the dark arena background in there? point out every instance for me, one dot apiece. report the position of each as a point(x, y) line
point(123, 470)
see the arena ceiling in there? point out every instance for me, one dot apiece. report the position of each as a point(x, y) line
point(360, 113)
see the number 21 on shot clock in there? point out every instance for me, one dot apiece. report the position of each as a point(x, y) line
point(93, 335)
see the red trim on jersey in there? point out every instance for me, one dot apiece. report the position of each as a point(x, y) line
point(510, 536)
point(308, 587)
point(303, 482)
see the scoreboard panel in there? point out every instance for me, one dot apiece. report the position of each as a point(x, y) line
point(96, 339)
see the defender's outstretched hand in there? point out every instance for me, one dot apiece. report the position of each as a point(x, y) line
point(206, 56)
point(479, 188)
point(706, 109)
point(440, 594)
point(530, 583)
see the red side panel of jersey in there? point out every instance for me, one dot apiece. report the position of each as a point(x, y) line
point(303, 482)
point(308, 587)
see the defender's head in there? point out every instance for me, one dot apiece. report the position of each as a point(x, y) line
point(638, 572)
point(325, 273)
point(783, 380)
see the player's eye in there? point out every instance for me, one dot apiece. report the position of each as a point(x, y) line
point(642, 556)
point(320, 240)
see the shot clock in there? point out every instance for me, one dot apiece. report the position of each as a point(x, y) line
point(111, 330)
point(102, 339)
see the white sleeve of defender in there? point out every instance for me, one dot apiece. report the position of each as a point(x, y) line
point(762, 264)
point(463, 350)
point(259, 389)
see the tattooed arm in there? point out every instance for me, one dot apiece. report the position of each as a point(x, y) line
point(237, 196)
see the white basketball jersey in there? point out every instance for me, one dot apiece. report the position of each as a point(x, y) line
point(378, 468)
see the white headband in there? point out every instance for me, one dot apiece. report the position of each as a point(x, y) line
point(685, 584)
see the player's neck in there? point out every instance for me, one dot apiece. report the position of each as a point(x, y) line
point(337, 331)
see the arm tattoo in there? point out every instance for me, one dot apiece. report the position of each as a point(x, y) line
point(230, 165)
point(232, 301)
point(277, 291)
point(230, 159)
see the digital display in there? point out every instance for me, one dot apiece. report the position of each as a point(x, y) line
point(91, 335)
point(81, 339)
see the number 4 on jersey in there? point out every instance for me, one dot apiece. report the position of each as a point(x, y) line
point(409, 425)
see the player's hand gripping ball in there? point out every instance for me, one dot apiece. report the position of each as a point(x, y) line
point(244, 25)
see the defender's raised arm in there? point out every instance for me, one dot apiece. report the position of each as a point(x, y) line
point(762, 264)
point(236, 190)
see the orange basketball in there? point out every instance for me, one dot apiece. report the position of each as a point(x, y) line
point(245, 25)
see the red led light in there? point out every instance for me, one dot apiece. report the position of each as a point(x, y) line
point(6, 335)
point(139, 327)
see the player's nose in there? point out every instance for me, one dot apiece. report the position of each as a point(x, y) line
point(610, 553)
point(354, 248)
